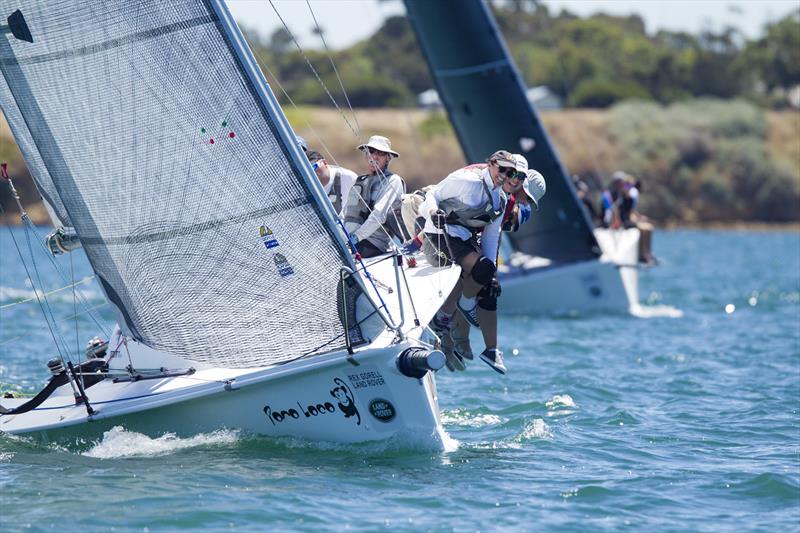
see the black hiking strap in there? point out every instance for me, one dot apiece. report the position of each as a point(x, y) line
point(54, 383)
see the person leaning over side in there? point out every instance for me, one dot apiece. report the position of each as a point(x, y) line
point(522, 193)
point(372, 210)
point(336, 181)
point(466, 202)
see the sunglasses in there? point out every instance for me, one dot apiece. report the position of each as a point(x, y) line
point(373, 151)
point(316, 165)
point(509, 172)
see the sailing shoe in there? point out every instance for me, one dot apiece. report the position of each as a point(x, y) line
point(460, 336)
point(441, 322)
point(494, 358)
point(469, 309)
point(451, 359)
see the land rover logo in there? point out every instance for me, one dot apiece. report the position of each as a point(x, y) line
point(382, 409)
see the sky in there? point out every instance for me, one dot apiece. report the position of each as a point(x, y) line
point(348, 21)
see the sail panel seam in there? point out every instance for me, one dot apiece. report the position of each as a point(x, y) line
point(197, 228)
point(112, 43)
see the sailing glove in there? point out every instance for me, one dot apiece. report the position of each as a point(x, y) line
point(524, 214)
point(439, 219)
point(411, 247)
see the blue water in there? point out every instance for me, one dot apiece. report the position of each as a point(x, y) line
point(603, 422)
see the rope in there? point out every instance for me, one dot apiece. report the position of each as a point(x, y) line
point(322, 83)
point(341, 112)
point(335, 70)
point(35, 292)
point(54, 291)
point(63, 276)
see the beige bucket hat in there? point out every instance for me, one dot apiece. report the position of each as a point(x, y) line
point(380, 143)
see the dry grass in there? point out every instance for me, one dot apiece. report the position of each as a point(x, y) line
point(580, 137)
point(783, 136)
point(420, 162)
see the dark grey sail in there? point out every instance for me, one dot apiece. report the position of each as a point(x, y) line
point(485, 98)
point(199, 214)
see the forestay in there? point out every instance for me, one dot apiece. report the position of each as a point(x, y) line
point(485, 98)
point(175, 166)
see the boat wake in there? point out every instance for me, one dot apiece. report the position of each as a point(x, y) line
point(656, 311)
point(119, 443)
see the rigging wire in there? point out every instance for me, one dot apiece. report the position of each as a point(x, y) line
point(325, 88)
point(335, 70)
point(63, 275)
point(308, 61)
point(35, 291)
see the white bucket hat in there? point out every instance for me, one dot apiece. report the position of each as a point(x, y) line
point(534, 186)
point(380, 143)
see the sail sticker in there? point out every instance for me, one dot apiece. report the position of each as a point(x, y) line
point(267, 237)
point(342, 398)
point(382, 409)
point(223, 132)
point(284, 268)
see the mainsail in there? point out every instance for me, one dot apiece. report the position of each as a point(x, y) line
point(485, 98)
point(149, 125)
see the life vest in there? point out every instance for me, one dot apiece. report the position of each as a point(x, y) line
point(361, 201)
point(474, 218)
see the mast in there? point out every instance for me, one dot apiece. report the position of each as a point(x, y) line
point(485, 99)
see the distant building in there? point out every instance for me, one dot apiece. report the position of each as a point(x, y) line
point(541, 97)
point(429, 99)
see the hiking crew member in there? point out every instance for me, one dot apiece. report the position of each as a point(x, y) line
point(335, 180)
point(469, 201)
point(521, 194)
point(372, 210)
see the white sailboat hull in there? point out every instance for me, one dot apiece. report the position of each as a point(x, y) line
point(609, 284)
point(336, 397)
point(327, 400)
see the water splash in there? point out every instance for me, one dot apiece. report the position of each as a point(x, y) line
point(560, 400)
point(535, 429)
point(462, 417)
point(119, 442)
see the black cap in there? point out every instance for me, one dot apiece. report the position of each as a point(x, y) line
point(314, 156)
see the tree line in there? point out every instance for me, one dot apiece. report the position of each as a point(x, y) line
point(595, 61)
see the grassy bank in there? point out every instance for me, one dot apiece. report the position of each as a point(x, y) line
point(703, 162)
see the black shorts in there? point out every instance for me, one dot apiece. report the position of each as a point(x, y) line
point(442, 250)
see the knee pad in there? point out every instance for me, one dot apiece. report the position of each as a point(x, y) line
point(483, 271)
point(486, 301)
point(487, 297)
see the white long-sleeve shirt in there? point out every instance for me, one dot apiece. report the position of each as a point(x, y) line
point(466, 185)
point(388, 192)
